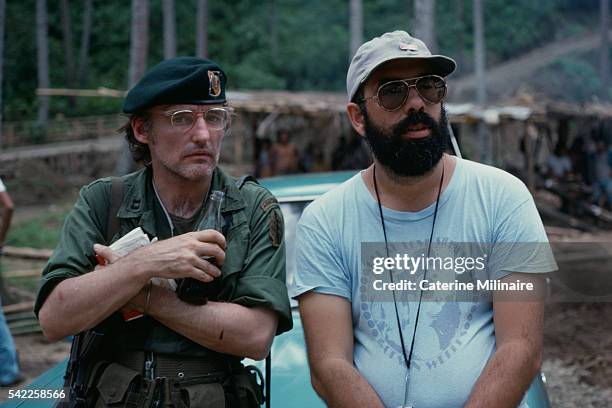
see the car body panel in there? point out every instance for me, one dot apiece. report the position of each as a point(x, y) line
point(305, 185)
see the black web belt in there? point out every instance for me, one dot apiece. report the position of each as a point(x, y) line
point(155, 365)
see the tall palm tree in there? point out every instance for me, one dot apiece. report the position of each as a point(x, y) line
point(202, 29)
point(169, 30)
point(139, 51)
point(42, 48)
point(425, 23)
point(85, 42)
point(2, 11)
point(604, 52)
point(139, 41)
point(356, 26)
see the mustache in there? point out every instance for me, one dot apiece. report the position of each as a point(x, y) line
point(412, 119)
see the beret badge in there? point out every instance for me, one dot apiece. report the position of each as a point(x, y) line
point(214, 83)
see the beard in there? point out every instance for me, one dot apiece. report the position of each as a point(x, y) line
point(408, 157)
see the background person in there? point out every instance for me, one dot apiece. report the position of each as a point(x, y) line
point(285, 155)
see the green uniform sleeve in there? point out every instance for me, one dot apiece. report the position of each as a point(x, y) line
point(82, 228)
point(262, 279)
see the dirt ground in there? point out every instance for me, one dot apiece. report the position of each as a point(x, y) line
point(578, 354)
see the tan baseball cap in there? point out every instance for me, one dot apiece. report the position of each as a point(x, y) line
point(392, 46)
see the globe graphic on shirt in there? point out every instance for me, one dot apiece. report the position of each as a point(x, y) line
point(441, 326)
point(445, 324)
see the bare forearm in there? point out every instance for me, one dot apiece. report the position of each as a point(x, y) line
point(224, 327)
point(80, 303)
point(506, 377)
point(7, 216)
point(340, 384)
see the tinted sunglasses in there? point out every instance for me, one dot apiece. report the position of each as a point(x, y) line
point(393, 95)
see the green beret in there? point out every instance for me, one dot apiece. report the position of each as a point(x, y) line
point(181, 80)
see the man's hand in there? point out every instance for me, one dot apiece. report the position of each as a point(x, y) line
point(105, 254)
point(177, 257)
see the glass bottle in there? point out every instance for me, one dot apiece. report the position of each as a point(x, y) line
point(195, 291)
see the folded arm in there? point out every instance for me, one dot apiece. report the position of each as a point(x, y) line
point(223, 327)
point(90, 298)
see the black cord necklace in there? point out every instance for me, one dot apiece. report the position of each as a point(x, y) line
point(407, 356)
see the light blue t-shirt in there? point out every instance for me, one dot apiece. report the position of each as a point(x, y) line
point(454, 340)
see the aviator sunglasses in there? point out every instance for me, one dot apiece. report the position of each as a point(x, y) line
point(392, 95)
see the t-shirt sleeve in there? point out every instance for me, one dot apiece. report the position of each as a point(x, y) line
point(520, 243)
point(319, 265)
point(74, 254)
point(262, 278)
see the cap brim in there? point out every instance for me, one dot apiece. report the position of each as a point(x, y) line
point(437, 64)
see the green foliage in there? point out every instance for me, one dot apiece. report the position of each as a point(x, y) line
point(511, 28)
point(386, 15)
point(39, 232)
point(572, 78)
point(312, 41)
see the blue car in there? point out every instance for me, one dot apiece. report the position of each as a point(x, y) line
point(290, 382)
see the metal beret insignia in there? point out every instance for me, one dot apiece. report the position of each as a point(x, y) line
point(214, 83)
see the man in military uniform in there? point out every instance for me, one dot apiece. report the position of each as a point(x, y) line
point(178, 354)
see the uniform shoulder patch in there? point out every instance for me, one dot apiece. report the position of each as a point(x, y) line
point(267, 203)
point(276, 228)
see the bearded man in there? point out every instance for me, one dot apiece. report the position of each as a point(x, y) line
point(369, 351)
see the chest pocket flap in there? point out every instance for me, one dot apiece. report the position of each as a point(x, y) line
point(237, 237)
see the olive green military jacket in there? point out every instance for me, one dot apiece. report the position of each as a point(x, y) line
point(253, 273)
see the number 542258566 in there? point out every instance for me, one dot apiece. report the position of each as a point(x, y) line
point(36, 394)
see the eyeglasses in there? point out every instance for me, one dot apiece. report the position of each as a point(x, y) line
point(393, 95)
point(184, 120)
